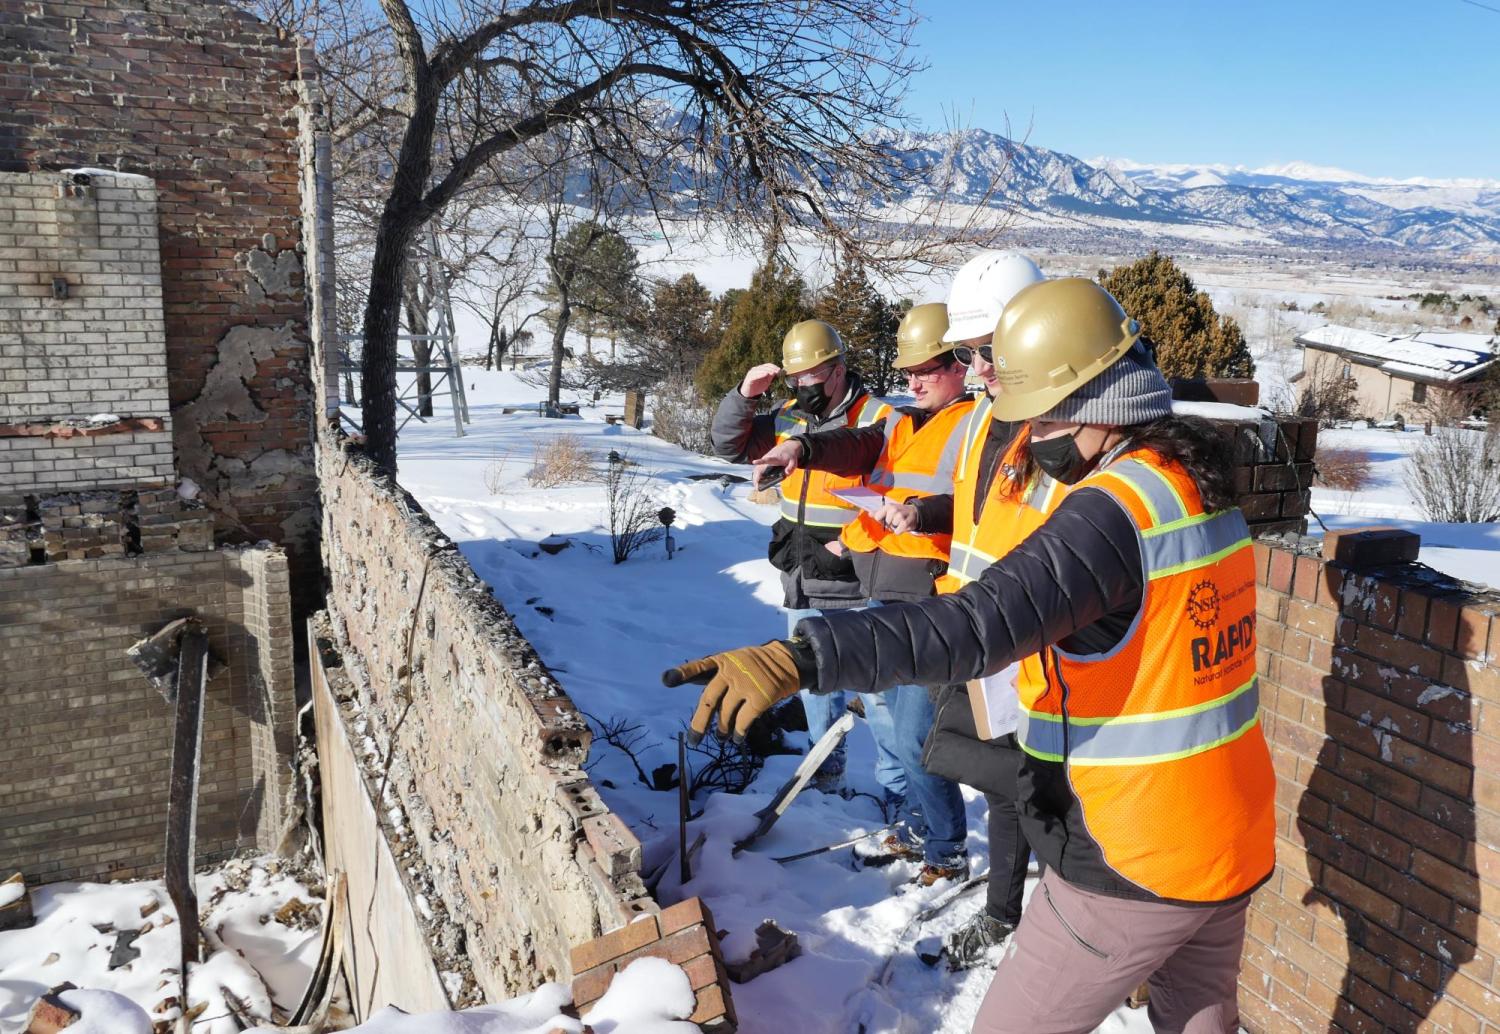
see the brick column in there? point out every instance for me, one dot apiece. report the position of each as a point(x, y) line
point(1382, 706)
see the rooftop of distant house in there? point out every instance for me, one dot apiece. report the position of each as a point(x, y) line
point(1431, 356)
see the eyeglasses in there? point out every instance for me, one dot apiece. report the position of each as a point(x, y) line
point(965, 354)
point(807, 378)
point(926, 372)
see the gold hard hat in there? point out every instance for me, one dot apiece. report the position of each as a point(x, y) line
point(920, 336)
point(808, 344)
point(1053, 338)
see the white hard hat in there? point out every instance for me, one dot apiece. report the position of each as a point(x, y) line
point(982, 287)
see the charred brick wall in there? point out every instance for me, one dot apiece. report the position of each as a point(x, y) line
point(520, 858)
point(1381, 701)
point(203, 99)
point(88, 740)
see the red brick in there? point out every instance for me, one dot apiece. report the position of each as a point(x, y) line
point(676, 948)
point(711, 1004)
point(701, 971)
point(1442, 623)
point(1383, 715)
point(1308, 581)
point(1409, 892)
point(685, 914)
point(1262, 554)
point(1385, 605)
point(1462, 886)
point(1472, 638)
point(1407, 655)
point(614, 944)
point(1433, 836)
point(1283, 565)
point(1316, 620)
point(589, 986)
point(1411, 619)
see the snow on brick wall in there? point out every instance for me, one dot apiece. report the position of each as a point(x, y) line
point(1379, 695)
point(496, 811)
point(99, 352)
point(88, 740)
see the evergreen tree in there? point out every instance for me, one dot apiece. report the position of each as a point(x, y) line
point(595, 266)
point(1191, 338)
point(683, 326)
point(761, 316)
point(866, 321)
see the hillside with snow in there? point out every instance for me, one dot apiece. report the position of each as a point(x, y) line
point(1296, 205)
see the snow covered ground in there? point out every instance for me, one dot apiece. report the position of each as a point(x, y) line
point(77, 926)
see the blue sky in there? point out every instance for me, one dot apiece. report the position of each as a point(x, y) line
point(1387, 89)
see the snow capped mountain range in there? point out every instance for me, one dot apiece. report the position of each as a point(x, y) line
point(1295, 205)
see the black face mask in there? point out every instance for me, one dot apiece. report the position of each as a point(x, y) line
point(813, 399)
point(1060, 459)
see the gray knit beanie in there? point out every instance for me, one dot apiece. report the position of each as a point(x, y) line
point(1131, 391)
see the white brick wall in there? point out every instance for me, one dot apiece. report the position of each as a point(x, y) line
point(100, 350)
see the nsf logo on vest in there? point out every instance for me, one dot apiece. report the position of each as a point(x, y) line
point(1203, 604)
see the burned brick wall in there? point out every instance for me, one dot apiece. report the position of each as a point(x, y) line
point(88, 740)
point(204, 100)
point(1380, 698)
point(518, 857)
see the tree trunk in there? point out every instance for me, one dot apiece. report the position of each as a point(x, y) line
point(418, 326)
point(403, 214)
point(559, 332)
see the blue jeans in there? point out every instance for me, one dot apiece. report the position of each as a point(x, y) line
point(823, 709)
point(935, 815)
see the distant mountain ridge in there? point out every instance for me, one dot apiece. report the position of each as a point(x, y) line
point(1297, 204)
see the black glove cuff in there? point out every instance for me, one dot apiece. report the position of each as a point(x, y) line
point(806, 661)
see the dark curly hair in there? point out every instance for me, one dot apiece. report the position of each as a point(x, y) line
point(1200, 448)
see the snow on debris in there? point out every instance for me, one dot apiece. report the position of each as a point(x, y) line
point(253, 954)
point(1226, 411)
point(1438, 357)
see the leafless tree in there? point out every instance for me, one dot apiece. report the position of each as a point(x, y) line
point(774, 118)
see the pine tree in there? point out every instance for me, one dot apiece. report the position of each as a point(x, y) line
point(866, 321)
point(1191, 338)
point(761, 316)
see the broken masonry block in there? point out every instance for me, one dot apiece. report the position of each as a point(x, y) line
point(50, 1014)
point(774, 947)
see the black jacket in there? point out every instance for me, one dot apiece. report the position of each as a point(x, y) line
point(811, 576)
point(1077, 581)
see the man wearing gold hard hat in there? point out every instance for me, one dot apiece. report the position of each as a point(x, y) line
point(1147, 788)
point(816, 576)
point(900, 549)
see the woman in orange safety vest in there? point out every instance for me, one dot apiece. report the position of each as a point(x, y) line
point(1147, 788)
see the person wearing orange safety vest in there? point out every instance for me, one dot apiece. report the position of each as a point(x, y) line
point(825, 396)
point(899, 547)
point(1147, 787)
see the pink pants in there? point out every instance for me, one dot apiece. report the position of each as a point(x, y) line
point(1077, 956)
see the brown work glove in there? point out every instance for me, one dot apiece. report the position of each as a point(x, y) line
point(741, 686)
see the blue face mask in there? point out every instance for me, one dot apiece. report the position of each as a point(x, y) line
point(1059, 458)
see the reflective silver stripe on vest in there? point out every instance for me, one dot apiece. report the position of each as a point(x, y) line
point(967, 563)
point(871, 412)
point(1141, 739)
point(818, 514)
point(978, 417)
point(1195, 542)
point(1157, 492)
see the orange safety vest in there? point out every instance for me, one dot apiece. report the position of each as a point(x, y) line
point(820, 508)
point(916, 462)
point(1000, 528)
point(1161, 735)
